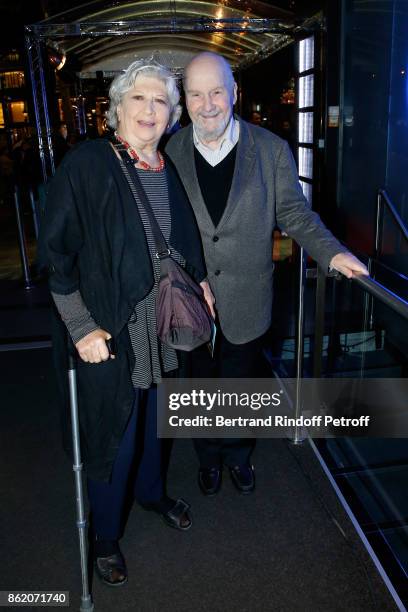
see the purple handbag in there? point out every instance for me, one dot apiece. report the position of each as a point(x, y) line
point(183, 319)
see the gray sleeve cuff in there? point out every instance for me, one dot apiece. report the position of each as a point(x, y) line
point(75, 314)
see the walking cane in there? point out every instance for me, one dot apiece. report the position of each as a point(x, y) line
point(86, 599)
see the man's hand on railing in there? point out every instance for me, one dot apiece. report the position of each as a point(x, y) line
point(348, 264)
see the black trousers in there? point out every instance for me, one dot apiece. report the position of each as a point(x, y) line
point(229, 361)
point(137, 472)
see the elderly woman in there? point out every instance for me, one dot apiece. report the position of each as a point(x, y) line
point(103, 278)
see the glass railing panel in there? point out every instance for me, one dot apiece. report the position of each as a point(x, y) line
point(393, 247)
point(397, 540)
point(397, 329)
point(361, 335)
point(280, 345)
point(349, 454)
point(364, 338)
point(380, 492)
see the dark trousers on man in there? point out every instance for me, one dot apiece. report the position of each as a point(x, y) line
point(137, 470)
point(229, 361)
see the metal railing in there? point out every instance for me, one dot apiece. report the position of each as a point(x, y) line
point(382, 293)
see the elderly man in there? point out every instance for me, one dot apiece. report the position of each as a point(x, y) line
point(242, 182)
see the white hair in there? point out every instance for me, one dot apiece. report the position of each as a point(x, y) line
point(124, 82)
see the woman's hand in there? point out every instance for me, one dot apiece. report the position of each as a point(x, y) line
point(92, 347)
point(208, 296)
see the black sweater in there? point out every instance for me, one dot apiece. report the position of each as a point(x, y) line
point(215, 182)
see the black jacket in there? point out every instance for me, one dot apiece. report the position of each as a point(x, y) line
point(93, 240)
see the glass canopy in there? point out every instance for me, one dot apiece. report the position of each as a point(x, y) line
point(106, 37)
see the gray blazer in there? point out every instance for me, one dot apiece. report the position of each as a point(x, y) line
point(265, 192)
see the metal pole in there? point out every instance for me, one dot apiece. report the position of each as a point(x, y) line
point(45, 108)
point(29, 48)
point(378, 224)
point(368, 312)
point(22, 241)
point(297, 437)
point(333, 339)
point(86, 599)
point(369, 304)
point(34, 209)
point(319, 323)
point(35, 62)
point(369, 301)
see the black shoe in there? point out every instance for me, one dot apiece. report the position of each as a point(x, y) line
point(243, 477)
point(175, 513)
point(209, 480)
point(110, 567)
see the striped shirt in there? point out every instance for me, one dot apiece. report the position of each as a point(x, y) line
point(152, 357)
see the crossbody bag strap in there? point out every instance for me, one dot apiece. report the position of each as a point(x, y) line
point(132, 177)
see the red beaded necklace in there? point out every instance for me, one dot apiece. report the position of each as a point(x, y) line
point(137, 159)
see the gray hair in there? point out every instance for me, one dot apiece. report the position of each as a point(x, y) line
point(125, 81)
